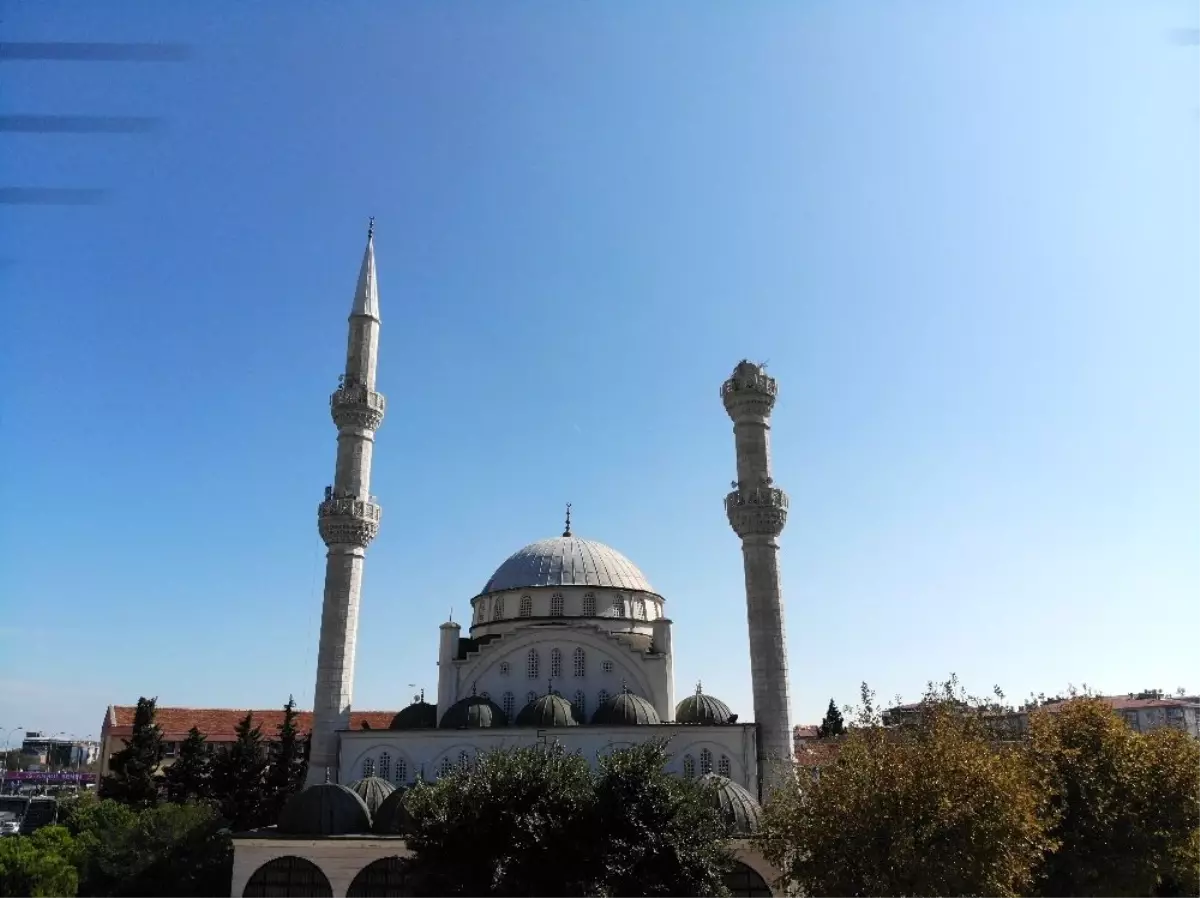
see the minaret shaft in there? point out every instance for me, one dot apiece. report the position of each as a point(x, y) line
point(757, 511)
point(348, 520)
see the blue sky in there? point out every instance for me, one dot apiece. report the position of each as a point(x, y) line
point(965, 237)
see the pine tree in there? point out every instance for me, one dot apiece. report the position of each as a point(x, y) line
point(133, 780)
point(238, 775)
point(190, 776)
point(832, 725)
point(286, 772)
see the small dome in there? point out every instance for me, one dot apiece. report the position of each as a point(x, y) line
point(567, 561)
point(473, 712)
point(737, 806)
point(373, 790)
point(703, 709)
point(393, 818)
point(548, 711)
point(327, 809)
point(625, 709)
point(420, 715)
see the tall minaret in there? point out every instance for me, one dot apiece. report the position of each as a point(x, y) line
point(757, 511)
point(348, 520)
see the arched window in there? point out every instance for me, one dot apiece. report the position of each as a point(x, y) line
point(508, 705)
point(705, 761)
point(401, 771)
point(639, 609)
point(689, 766)
point(386, 876)
point(580, 661)
point(480, 610)
point(385, 765)
point(580, 705)
point(464, 760)
point(555, 663)
point(531, 665)
point(288, 876)
point(723, 766)
point(526, 606)
point(556, 605)
point(742, 882)
point(601, 697)
point(447, 767)
point(589, 605)
point(498, 608)
point(368, 767)
point(619, 607)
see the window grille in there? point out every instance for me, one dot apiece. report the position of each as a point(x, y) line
point(606, 666)
point(723, 766)
point(556, 605)
point(526, 607)
point(369, 767)
point(508, 705)
point(531, 665)
point(601, 697)
point(689, 767)
point(555, 663)
point(705, 761)
point(498, 608)
point(580, 705)
point(589, 605)
point(447, 767)
point(401, 771)
point(619, 606)
point(385, 765)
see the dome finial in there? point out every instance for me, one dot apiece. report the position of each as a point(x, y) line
point(550, 686)
point(567, 531)
point(699, 688)
point(474, 683)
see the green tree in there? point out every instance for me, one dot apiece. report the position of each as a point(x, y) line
point(935, 807)
point(286, 772)
point(238, 775)
point(832, 725)
point(133, 780)
point(1126, 808)
point(190, 777)
point(43, 864)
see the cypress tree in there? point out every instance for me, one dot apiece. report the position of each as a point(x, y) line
point(286, 772)
point(191, 774)
point(134, 777)
point(832, 725)
point(238, 775)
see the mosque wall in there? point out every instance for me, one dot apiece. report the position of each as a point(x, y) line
point(403, 756)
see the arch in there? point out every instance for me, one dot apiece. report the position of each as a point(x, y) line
point(745, 882)
point(288, 876)
point(556, 663)
point(526, 608)
point(532, 665)
point(383, 878)
point(579, 660)
point(498, 608)
point(401, 772)
point(689, 767)
point(589, 604)
point(705, 761)
point(385, 765)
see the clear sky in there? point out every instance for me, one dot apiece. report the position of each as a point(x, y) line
point(965, 237)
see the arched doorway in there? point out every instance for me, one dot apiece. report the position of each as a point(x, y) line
point(288, 877)
point(384, 878)
point(743, 882)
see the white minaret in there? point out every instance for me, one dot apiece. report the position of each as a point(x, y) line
point(757, 511)
point(348, 520)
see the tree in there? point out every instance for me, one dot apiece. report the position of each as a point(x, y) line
point(934, 807)
point(286, 773)
point(833, 724)
point(538, 821)
point(39, 865)
point(238, 777)
point(190, 777)
point(1126, 809)
point(135, 767)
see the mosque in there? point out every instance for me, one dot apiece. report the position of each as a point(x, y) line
point(568, 642)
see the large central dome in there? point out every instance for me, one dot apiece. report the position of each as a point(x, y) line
point(568, 561)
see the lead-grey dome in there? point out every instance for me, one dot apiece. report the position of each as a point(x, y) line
point(326, 809)
point(548, 711)
point(704, 709)
point(625, 709)
point(568, 561)
point(736, 805)
point(372, 790)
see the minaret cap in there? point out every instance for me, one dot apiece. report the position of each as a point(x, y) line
point(567, 529)
point(366, 294)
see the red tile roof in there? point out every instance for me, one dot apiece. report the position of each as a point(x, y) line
point(818, 754)
point(218, 724)
point(1119, 703)
point(800, 731)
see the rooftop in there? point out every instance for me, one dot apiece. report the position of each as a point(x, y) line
point(567, 561)
point(219, 724)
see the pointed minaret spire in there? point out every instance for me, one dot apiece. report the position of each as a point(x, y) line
point(567, 531)
point(366, 294)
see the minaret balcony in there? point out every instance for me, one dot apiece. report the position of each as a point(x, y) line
point(353, 405)
point(761, 511)
point(750, 392)
point(348, 520)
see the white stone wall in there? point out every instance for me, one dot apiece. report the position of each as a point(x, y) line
point(425, 751)
point(340, 858)
point(490, 613)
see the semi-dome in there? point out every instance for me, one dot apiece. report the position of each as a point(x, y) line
point(737, 806)
point(420, 715)
point(326, 809)
point(547, 711)
point(372, 790)
point(567, 561)
point(704, 709)
point(393, 817)
point(473, 712)
point(625, 709)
